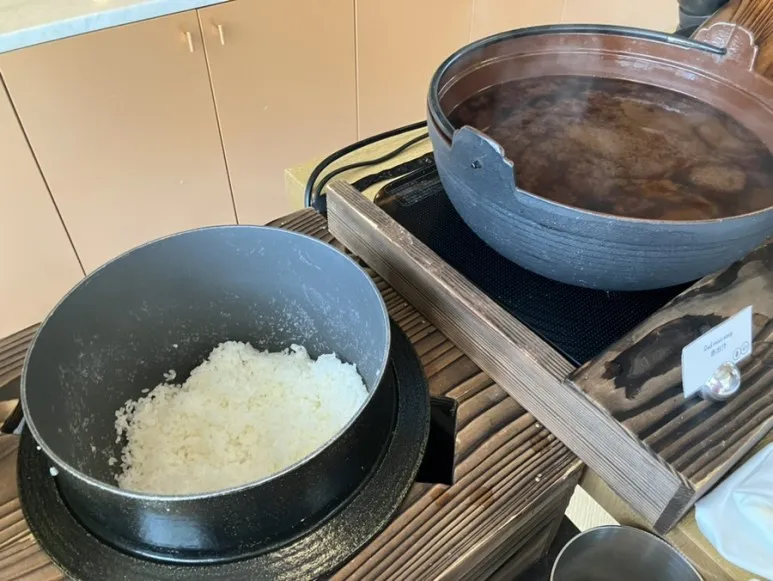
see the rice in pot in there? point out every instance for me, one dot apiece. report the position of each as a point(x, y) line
point(242, 415)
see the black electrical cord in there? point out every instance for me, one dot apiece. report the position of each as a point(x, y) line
point(395, 152)
point(312, 196)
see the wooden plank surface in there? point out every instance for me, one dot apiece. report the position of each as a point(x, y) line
point(513, 477)
point(638, 380)
point(524, 365)
point(757, 17)
point(13, 349)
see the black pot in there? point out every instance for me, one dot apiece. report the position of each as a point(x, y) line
point(566, 241)
point(166, 305)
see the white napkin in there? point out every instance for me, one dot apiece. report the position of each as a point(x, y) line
point(737, 516)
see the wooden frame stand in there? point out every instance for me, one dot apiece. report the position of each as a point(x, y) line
point(623, 413)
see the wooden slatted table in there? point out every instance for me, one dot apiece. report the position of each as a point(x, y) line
point(513, 478)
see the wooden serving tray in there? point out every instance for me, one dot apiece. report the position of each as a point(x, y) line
point(623, 413)
point(513, 478)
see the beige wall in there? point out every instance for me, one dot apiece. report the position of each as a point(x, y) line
point(120, 136)
point(401, 42)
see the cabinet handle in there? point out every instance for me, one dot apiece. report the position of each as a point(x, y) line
point(189, 37)
point(221, 34)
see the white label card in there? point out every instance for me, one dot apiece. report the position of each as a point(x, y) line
point(728, 342)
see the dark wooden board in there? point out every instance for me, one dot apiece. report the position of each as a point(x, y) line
point(638, 380)
point(756, 16)
point(12, 353)
point(660, 474)
point(513, 478)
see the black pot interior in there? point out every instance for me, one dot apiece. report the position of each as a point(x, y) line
point(167, 304)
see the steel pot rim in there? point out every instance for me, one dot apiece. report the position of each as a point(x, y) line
point(641, 533)
point(446, 130)
point(433, 98)
point(628, 219)
point(177, 498)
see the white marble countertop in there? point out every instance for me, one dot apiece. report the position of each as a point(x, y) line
point(29, 22)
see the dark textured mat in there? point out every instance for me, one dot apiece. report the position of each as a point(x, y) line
point(580, 323)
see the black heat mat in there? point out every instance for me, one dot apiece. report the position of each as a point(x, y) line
point(579, 322)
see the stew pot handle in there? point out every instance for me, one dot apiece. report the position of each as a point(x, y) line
point(740, 48)
point(477, 159)
point(745, 29)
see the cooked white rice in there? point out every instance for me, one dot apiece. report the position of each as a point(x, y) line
point(242, 415)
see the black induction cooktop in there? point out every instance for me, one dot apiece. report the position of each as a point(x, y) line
point(579, 322)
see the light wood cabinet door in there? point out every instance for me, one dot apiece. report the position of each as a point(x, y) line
point(494, 16)
point(660, 15)
point(123, 125)
point(37, 262)
point(283, 76)
point(400, 44)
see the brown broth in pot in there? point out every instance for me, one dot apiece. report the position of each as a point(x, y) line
point(623, 148)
